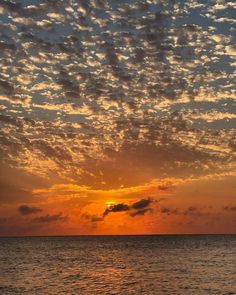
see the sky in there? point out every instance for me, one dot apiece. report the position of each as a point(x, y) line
point(117, 117)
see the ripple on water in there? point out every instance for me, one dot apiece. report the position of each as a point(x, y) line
point(193, 265)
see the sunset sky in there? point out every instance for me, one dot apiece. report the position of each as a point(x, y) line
point(117, 117)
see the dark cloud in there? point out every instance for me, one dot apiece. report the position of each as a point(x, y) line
point(142, 204)
point(50, 218)
point(169, 211)
point(116, 208)
point(93, 218)
point(138, 208)
point(140, 212)
point(96, 218)
point(26, 210)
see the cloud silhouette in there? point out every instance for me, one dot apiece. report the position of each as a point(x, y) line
point(140, 212)
point(27, 210)
point(142, 204)
point(116, 208)
point(138, 208)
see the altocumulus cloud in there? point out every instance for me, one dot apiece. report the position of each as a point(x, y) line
point(75, 72)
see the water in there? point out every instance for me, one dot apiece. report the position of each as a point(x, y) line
point(118, 265)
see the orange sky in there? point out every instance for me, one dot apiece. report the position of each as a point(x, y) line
point(171, 205)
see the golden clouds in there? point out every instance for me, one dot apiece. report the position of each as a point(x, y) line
point(68, 191)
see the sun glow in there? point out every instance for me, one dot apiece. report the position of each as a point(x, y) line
point(110, 204)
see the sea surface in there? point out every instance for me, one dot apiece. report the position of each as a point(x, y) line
point(191, 264)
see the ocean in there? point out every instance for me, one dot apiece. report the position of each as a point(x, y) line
point(168, 264)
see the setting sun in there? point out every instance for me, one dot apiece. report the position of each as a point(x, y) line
point(109, 204)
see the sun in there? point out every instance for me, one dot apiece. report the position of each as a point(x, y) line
point(110, 204)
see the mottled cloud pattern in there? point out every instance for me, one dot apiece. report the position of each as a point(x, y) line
point(83, 80)
point(110, 94)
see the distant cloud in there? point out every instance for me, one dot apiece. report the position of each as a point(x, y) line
point(26, 210)
point(230, 208)
point(169, 211)
point(190, 211)
point(140, 212)
point(50, 218)
point(165, 187)
point(93, 218)
point(96, 218)
point(193, 211)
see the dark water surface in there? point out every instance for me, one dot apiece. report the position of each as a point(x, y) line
point(118, 265)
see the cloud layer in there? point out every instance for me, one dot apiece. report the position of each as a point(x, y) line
point(95, 82)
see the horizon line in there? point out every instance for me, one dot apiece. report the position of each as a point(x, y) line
point(116, 235)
